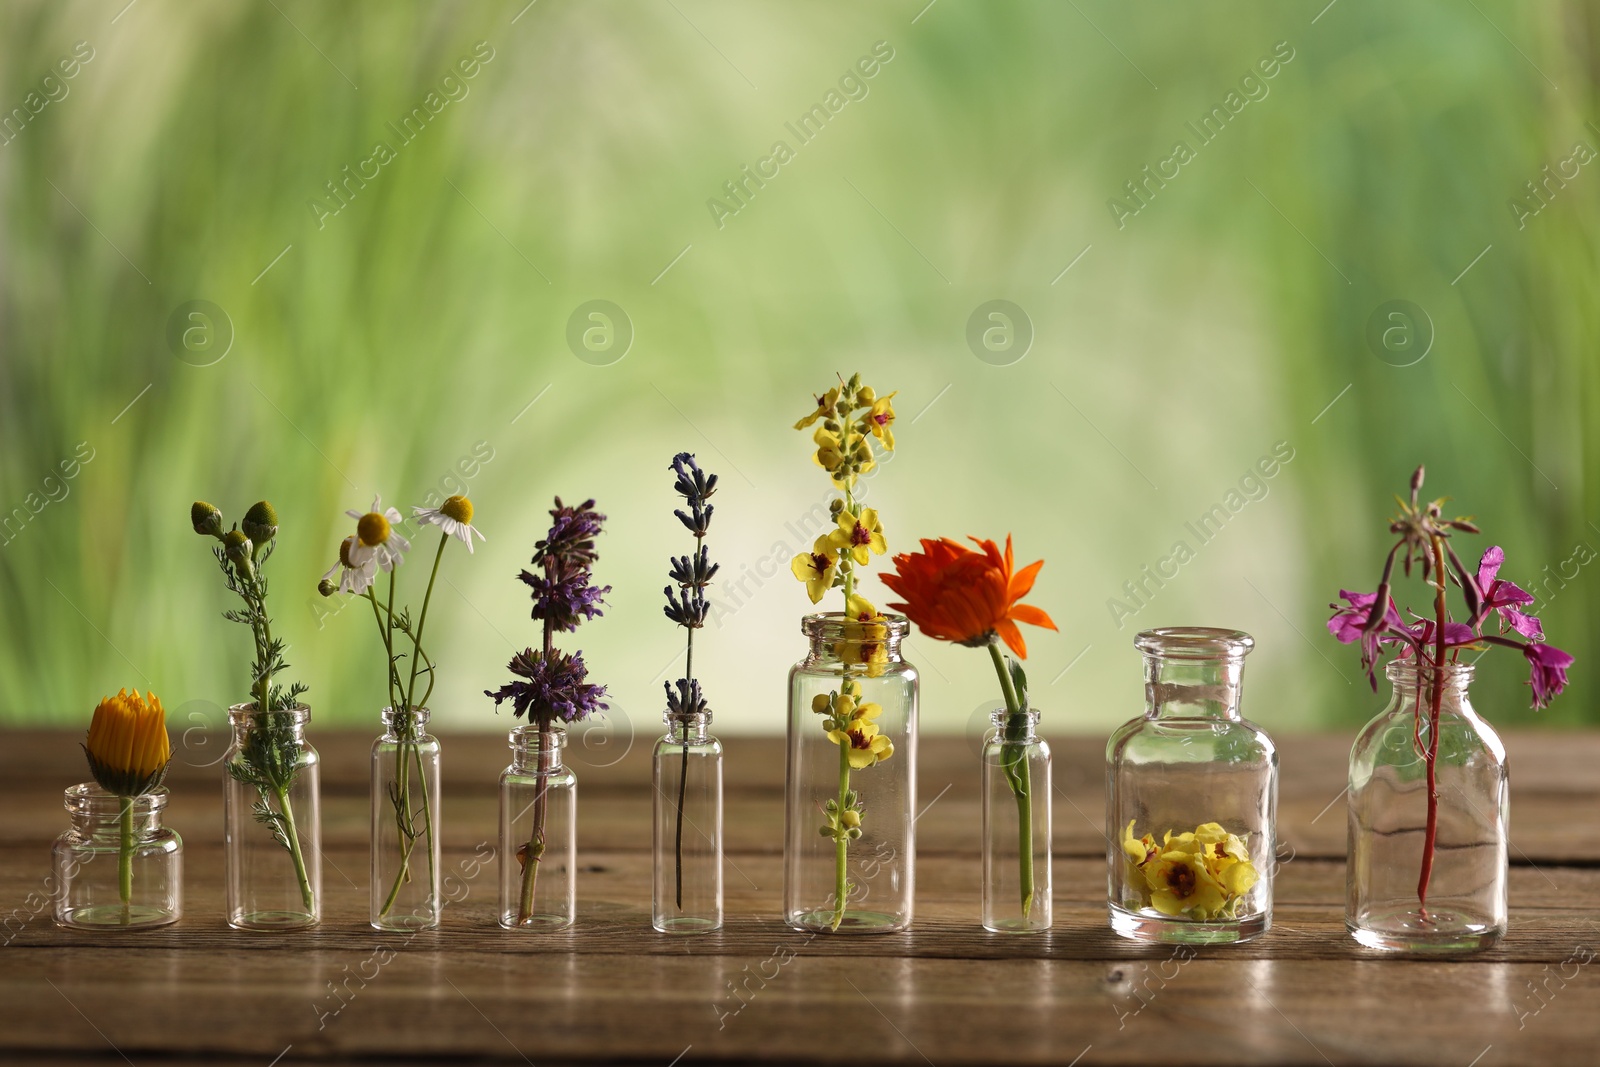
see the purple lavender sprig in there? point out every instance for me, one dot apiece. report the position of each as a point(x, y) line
point(687, 606)
point(551, 684)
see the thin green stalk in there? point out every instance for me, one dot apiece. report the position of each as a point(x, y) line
point(842, 844)
point(422, 621)
point(1014, 764)
point(293, 835)
point(125, 860)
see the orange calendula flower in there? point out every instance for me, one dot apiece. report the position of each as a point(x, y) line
point(127, 745)
point(955, 594)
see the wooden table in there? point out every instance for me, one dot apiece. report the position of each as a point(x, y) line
point(613, 990)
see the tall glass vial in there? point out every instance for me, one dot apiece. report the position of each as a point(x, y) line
point(850, 788)
point(117, 866)
point(538, 832)
point(1016, 825)
point(404, 885)
point(687, 833)
point(1191, 798)
point(272, 821)
point(1465, 904)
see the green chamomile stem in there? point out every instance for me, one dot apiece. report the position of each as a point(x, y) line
point(422, 621)
point(125, 859)
point(842, 843)
point(293, 835)
point(1014, 763)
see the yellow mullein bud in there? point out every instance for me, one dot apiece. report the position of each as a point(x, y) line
point(127, 744)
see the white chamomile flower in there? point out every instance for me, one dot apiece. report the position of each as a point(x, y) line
point(376, 538)
point(353, 577)
point(454, 517)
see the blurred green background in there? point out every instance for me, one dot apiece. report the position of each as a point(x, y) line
point(388, 339)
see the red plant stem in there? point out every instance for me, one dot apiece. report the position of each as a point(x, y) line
point(1436, 700)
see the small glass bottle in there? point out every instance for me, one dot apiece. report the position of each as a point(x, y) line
point(538, 832)
point(1191, 798)
point(688, 827)
point(272, 821)
point(849, 841)
point(404, 887)
point(94, 885)
point(1016, 825)
point(1465, 905)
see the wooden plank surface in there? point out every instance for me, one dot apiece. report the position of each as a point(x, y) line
point(612, 990)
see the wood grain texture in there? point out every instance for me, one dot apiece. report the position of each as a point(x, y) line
point(612, 990)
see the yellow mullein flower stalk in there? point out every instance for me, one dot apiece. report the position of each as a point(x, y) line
point(128, 752)
point(855, 422)
point(1202, 874)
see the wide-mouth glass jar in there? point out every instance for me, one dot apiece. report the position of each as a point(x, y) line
point(1191, 797)
point(117, 866)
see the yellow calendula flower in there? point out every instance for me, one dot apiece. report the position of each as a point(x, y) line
point(879, 419)
point(860, 536)
point(127, 745)
point(867, 746)
point(1180, 884)
point(824, 408)
point(816, 568)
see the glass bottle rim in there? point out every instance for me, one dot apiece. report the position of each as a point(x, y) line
point(418, 715)
point(524, 735)
point(1194, 642)
point(1401, 671)
point(241, 714)
point(830, 624)
point(89, 798)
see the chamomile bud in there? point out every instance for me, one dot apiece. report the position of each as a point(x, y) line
point(237, 547)
point(327, 587)
point(206, 519)
point(260, 523)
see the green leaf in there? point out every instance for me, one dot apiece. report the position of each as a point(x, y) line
point(1019, 680)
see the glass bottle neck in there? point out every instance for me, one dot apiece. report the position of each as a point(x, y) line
point(96, 813)
point(290, 721)
point(1414, 687)
point(1012, 729)
point(1191, 688)
point(537, 749)
point(404, 725)
point(688, 729)
point(836, 639)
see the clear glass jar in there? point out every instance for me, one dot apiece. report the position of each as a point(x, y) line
point(1191, 798)
point(687, 834)
point(272, 821)
point(117, 866)
point(1016, 825)
point(849, 843)
point(538, 832)
point(404, 887)
point(1465, 903)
